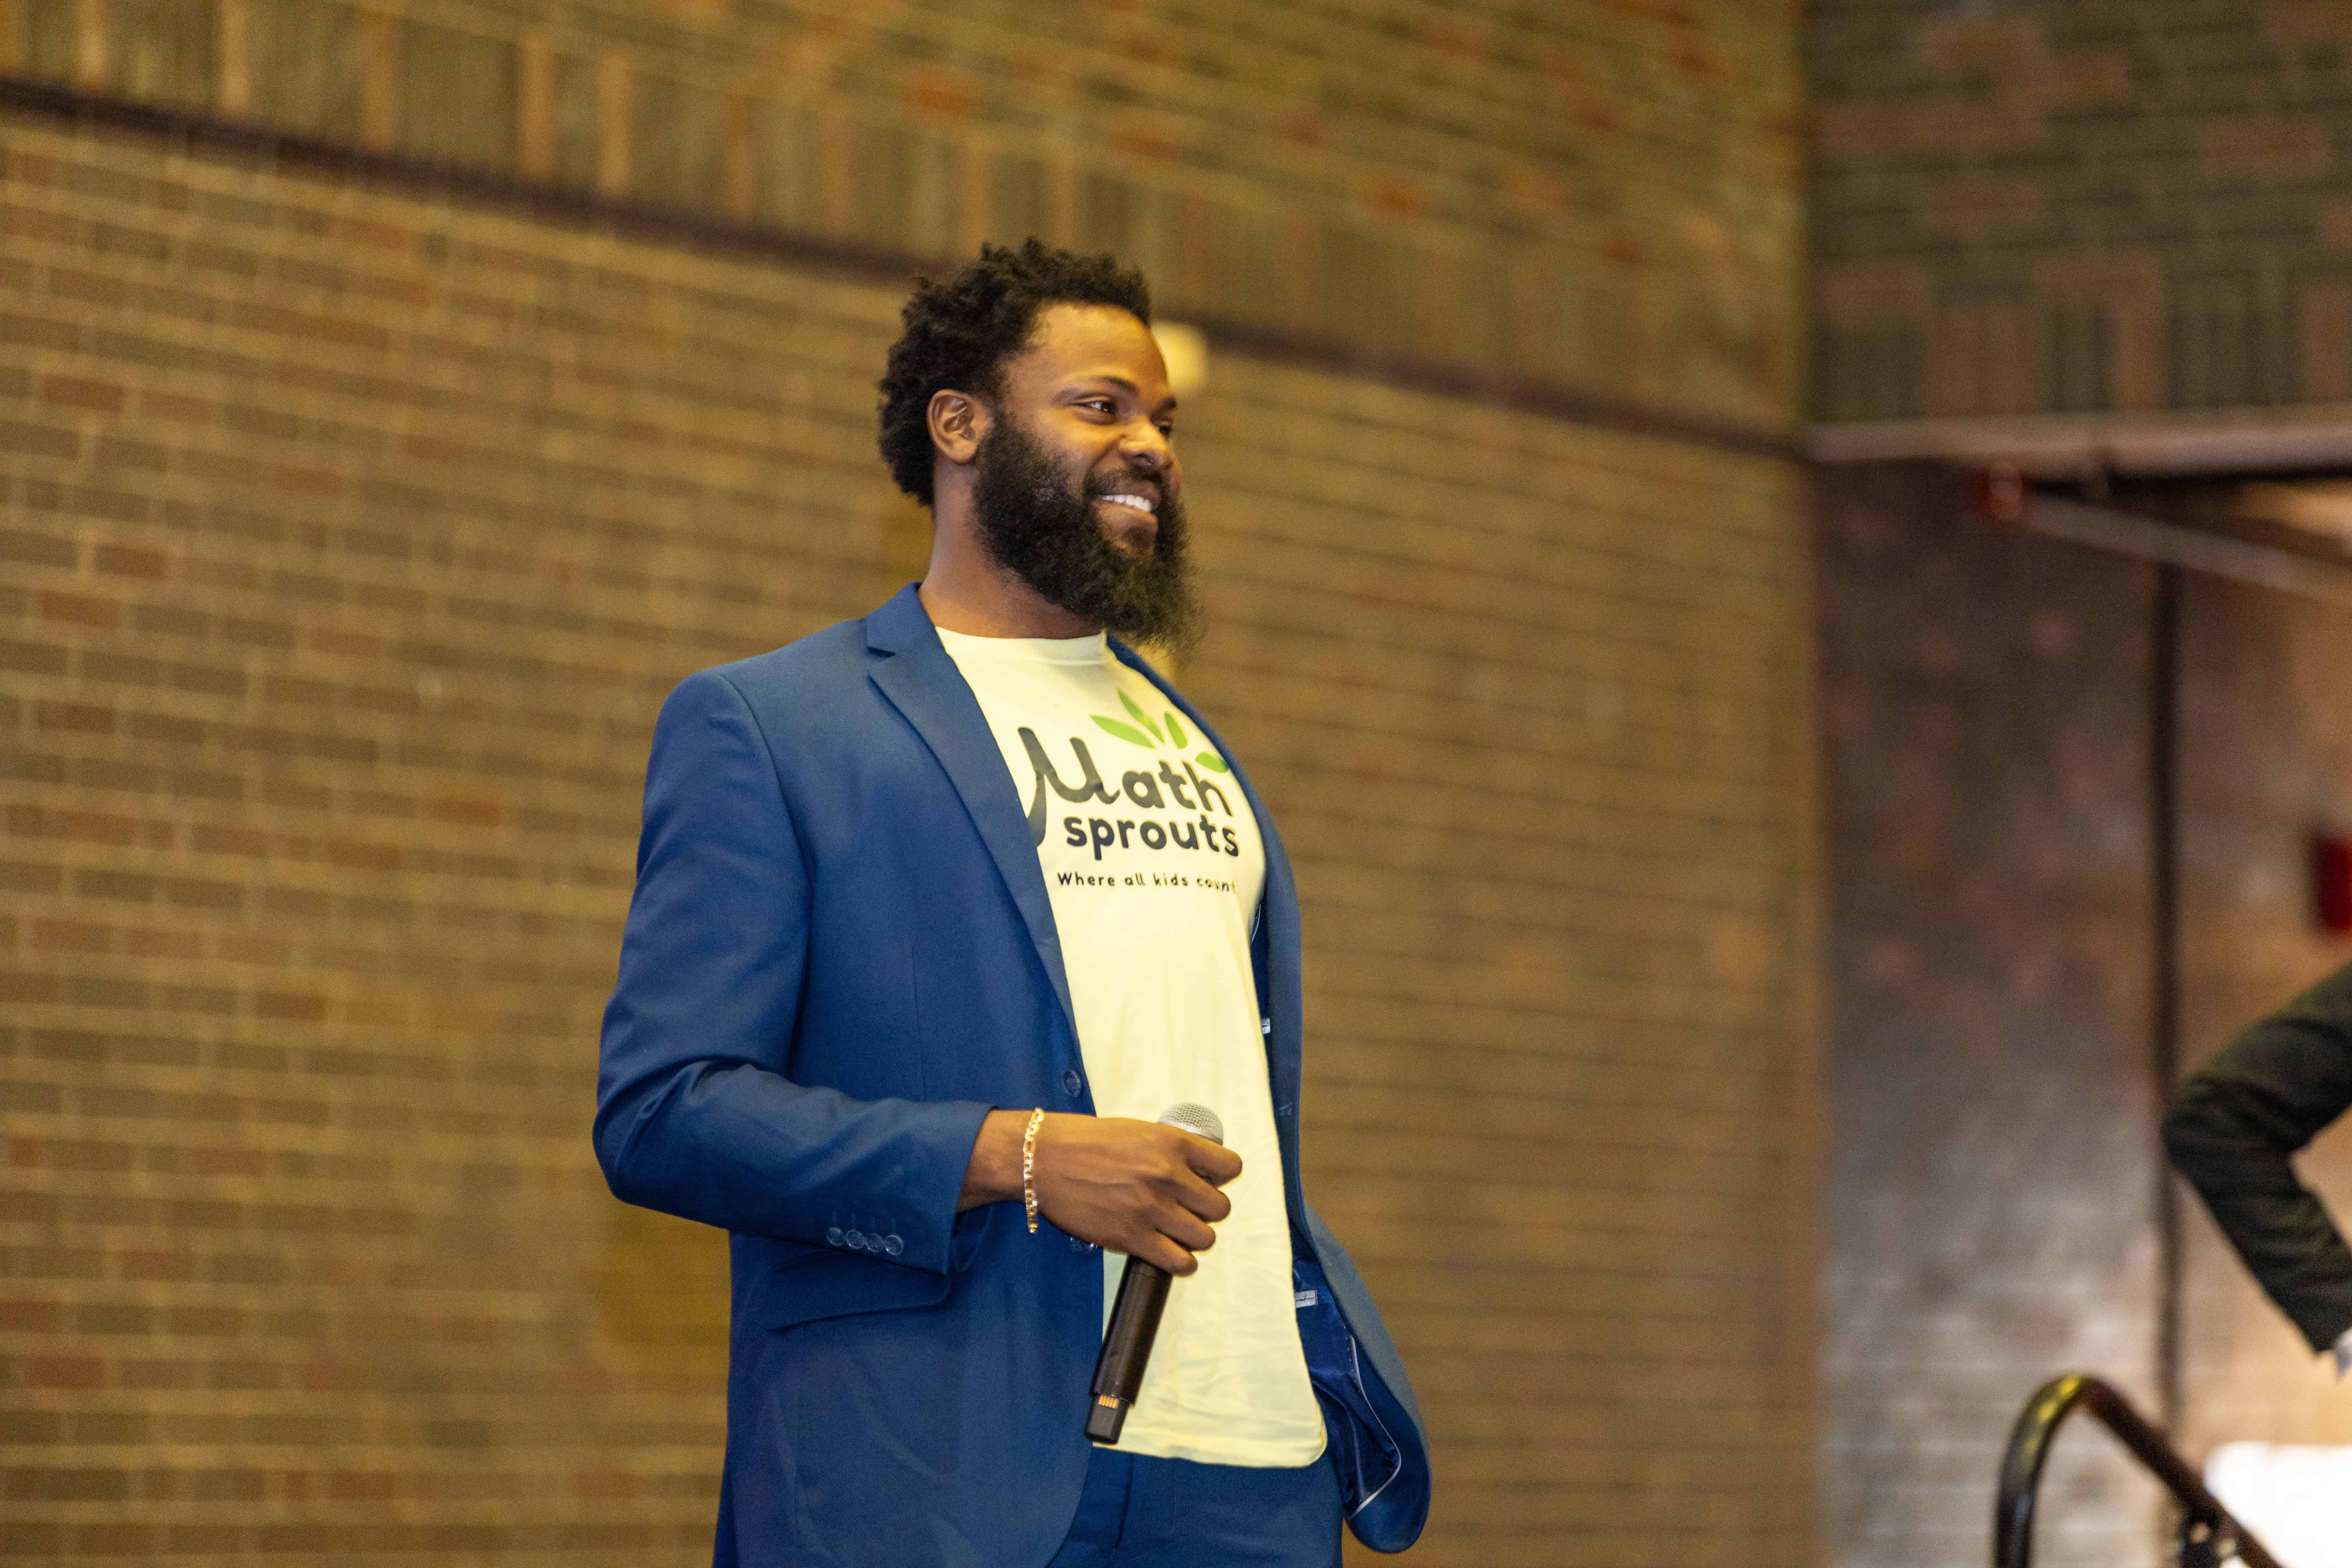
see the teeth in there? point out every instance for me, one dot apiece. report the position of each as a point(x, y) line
point(1138, 502)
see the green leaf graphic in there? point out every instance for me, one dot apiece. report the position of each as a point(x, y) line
point(1176, 733)
point(1124, 731)
point(1141, 716)
point(1208, 760)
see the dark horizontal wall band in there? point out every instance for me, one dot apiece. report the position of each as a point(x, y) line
point(555, 204)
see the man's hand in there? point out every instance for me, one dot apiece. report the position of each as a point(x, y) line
point(1137, 1187)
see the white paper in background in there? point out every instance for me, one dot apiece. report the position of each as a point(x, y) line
point(2297, 1502)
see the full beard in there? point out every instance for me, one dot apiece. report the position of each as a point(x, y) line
point(1035, 524)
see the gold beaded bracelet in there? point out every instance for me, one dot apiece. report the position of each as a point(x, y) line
point(1029, 1166)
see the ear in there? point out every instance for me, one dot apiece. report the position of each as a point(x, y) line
point(959, 421)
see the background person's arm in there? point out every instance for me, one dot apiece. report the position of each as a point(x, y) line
point(2233, 1131)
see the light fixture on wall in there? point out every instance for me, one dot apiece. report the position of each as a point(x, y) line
point(2001, 494)
point(1186, 350)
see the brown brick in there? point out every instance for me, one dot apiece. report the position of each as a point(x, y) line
point(213, 840)
point(175, 408)
point(117, 455)
point(136, 886)
point(73, 718)
point(113, 1318)
point(35, 331)
point(30, 989)
point(112, 1539)
point(71, 936)
point(111, 772)
point(216, 1000)
point(375, 234)
point(81, 391)
point(472, 810)
point(90, 990)
point(31, 1317)
point(122, 561)
point(88, 826)
point(126, 671)
point(115, 1427)
point(80, 609)
point(39, 440)
point(53, 1262)
point(38, 548)
point(168, 728)
point(84, 1154)
point(26, 1539)
point(61, 1371)
point(151, 944)
point(32, 658)
point(363, 855)
point(159, 1265)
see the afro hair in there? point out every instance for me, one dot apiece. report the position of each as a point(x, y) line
point(963, 328)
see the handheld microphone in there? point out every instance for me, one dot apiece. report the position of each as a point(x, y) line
point(1134, 1315)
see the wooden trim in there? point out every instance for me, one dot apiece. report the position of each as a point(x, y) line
point(2177, 444)
point(2177, 546)
point(620, 213)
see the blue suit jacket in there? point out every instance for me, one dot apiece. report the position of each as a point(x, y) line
point(839, 959)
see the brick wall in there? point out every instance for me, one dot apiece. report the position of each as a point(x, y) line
point(2081, 204)
point(350, 539)
point(1602, 197)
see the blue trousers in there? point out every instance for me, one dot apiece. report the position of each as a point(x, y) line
point(1142, 1512)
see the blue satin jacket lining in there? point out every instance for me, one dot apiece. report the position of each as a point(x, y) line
point(1363, 1448)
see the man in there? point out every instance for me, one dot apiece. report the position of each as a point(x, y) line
point(936, 913)
point(2233, 1131)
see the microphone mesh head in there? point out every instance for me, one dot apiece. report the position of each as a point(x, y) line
point(1197, 1119)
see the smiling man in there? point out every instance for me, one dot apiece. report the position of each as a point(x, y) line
point(936, 913)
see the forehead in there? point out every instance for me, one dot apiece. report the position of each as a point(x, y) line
point(1075, 341)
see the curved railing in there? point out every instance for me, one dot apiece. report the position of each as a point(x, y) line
point(2208, 1534)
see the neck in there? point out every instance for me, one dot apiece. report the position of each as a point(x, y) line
point(965, 591)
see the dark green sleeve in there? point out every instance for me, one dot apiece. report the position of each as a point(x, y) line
point(2233, 1130)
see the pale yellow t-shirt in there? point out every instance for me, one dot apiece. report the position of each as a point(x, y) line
point(1154, 871)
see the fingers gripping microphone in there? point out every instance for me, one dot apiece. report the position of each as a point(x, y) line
point(1135, 1316)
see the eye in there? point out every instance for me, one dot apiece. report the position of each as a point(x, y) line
point(1102, 405)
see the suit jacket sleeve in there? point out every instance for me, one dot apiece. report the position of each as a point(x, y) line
point(2233, 1130)
point(696, 1115)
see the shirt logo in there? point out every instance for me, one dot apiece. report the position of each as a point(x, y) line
point(1160, 789)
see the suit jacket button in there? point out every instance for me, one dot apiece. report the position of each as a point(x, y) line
point(857, 1240)
point(893, 1245)
point(1072, 1082)
point(833, 1237)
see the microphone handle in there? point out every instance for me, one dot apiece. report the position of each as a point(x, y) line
point(1126, 1347)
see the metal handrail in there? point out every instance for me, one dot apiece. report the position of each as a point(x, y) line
point(2208, 1532)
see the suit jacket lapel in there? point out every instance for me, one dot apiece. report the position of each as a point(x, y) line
point(915, 675)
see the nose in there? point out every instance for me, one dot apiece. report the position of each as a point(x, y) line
point(1147, 450)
